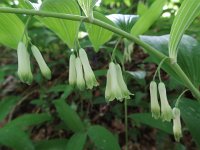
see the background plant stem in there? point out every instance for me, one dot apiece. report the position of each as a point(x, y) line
point(126, 123)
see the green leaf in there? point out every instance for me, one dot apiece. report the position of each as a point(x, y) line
point(102, 138)
point(190, 114)
point(6, 106)
point(141, 8)
point(55, 144)
point(124, 22)
point(148, 18)
point(11, 30)
point(15, 139)
point(146, 118)
point(77, 141)
point(188, 11)
point(27, 120)
point(67, 30)
point(69, 116)
point(98, 35)
point(188, 57)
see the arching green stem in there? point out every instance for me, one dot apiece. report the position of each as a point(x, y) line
point(117, 31)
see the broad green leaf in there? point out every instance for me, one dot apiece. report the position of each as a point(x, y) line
point(188, 57)
point(77, 141)
point(190, 114)
point(6, 106)
point(188, 11)
point(11, 30)
point(148, 18)
point(55, 144)
point(124, 22)
point(102, 138)
point(67, 30)
point(147, 119)
point(15, 139)
point(28, 120)
point(98, 35)
point(87, 7)
point(69, 116)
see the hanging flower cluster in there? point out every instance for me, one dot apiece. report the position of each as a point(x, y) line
point(24, 65)
point(80, 71)
point(167, 113)
point(165, 110)
point(116, 87)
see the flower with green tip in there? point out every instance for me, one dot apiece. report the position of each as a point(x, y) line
point(177, 124)
point(108, 86)
point(46, 72)
point(126, 93)
point(88, 73)
point(72, 70)
point(155, 107)
point(80, 82)
point(115, 90)
point(24, 67)
point(115, 85)
point(166, 110)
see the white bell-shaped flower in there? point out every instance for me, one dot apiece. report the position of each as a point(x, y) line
point(88, 73)
point(46, 72)
point(72, 70)
point(126, 93)
point(177, 124)
point(80, 82)
point(166, 110)
point(155, 107)
point(115, 86)
point(24, 68)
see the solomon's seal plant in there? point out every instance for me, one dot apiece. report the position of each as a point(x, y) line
point(64, 18)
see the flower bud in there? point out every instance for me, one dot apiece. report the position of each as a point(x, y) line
point(88, 73)
point(155, 107)
point(79, 75)
point(72, 70)
point(126, 93)
point(177, 124)
point(166, 110)
point(46, 72)
point(24, 68)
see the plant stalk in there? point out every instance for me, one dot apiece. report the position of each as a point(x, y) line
point(114, 29)
point(126, 124)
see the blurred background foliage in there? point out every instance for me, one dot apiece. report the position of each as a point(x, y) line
point(51, 114)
